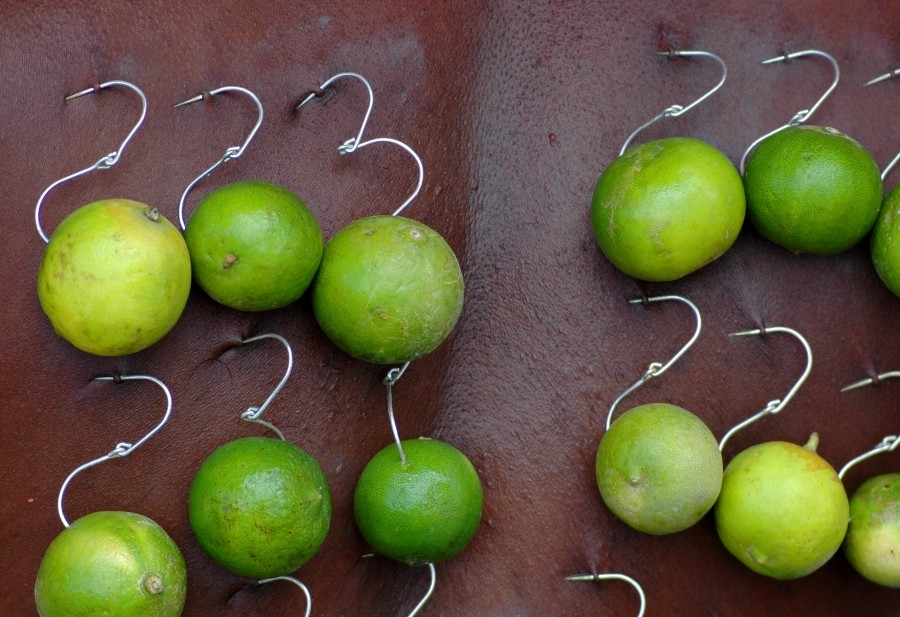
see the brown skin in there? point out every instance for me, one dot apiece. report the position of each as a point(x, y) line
point(514, 110)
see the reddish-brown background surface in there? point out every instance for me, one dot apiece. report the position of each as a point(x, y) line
point(515, 108)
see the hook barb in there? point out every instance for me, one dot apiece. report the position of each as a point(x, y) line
point(673, 111)
point(870, 381)
point(804, 114)
point(774, 406)
point(885, 77)
point(232, 152)
point(105, 162)
point(122, 448)
point(614, 576)
point(658, 368)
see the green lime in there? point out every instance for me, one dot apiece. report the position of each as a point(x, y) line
point(659, 468)
point(114, 277)
point(812, 189)
point(666, 208)
point(886, 241)
point(872, 545)
point(260, 507)
point(783, 511)
point(389, 289)
point(111, 563)
point(254, 246)
point(425, 511)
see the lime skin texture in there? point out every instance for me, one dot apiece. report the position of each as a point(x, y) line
point(783, 511)
point(389, 289)
point(885, 241)
point(260, 507)
point(111, 563)
point(666, 208)
point(254, 246)
point(812, 189)
point(114, 277)
point(872, 545)
point(425, 511)
point(659, 468)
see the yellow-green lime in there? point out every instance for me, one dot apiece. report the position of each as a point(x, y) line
point(666, 208)
point(872, 545)
point(114, 277)
point(111, 563)
point(254, 245)
point(812, 189)
point(425, 511)
point(783, 511)
point(260, 506)
point(389, 289)
point(659, 468)
point(885, 243)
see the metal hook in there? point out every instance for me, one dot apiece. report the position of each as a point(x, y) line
point(254, 414)
point(656, 368)
point(614, 576)
point(889, 443)
point(775, 406)
point(428, 593)
point(106, 162)
point(123, 448)
point(392, 377)
point(673, 111)
point(291, 579)
point(804, 114)
point(880, 78)
point(231, 153)
point(355, 143)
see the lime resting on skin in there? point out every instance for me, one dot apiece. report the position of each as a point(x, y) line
point(885, 241)
point(872, 544)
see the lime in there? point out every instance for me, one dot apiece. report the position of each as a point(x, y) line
point(666, 208)
point(886, 241)
point(254, 246)
point(111, 563)
point(872, 545)
point(260, 507)
point(425, 511)
point(812, 189)
point(114, 277)
point(783, 511)
point(389, 289)
point(659, 468)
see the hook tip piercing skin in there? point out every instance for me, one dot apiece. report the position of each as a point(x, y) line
point(194, 99)
point(75, 95)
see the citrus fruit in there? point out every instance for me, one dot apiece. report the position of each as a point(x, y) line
point(885, 243)
point(114, 277)
point(812, 189)
point(872, 545)
point(666, 208)
point(260, 506)
point(389, 289)
point(425, 511)
point(659, 468)
point(783, 511)
point(254, 246)
point(111, 563)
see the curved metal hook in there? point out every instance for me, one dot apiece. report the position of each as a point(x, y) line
point(889, 443)
point(392, 377)
point(123, 448)
point(253, 413)
point(105, 162)
point(294, 581)
point(231, 153)
point(355, 143)
point(673, 111)
point(775, 406)
point(880, 78)
point(804, 114)
point(428, 593)
point(657, 368)
point(618, 577)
